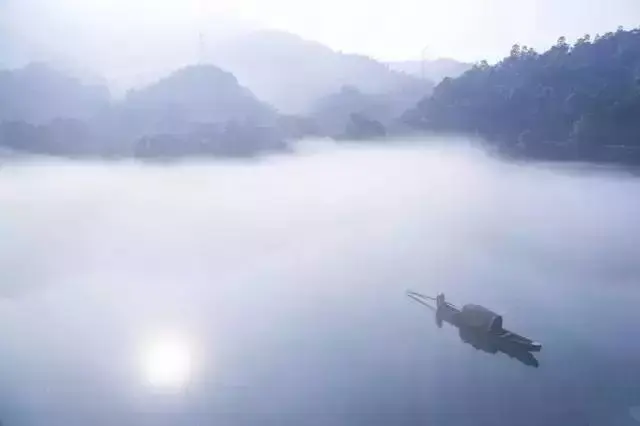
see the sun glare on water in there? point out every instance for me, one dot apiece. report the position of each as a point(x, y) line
point(167, 363)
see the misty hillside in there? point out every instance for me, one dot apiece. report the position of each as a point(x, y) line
point(198, 94)
point(334, 113)
point(435, 70)
point(197, 110)
point(579, 101)
point(38, 94)
point(292, 73)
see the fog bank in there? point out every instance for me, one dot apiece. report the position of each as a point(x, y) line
point(267, 262)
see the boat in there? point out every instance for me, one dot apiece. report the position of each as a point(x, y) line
point(478, 320)
point(492, 345)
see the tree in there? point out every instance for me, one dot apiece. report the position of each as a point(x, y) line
point(515, 51)
point(586, 96)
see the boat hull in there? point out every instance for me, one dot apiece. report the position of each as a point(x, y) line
point(451, 314)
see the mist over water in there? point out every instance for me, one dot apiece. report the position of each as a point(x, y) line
point(285, 279)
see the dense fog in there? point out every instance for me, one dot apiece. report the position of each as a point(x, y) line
point(281, 275)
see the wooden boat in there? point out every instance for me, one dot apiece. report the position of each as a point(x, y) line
point(486, 342)
point(477, 319)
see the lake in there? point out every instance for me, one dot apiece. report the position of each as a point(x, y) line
point(273, 291)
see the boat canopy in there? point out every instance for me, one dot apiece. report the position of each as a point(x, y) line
point(477, 316)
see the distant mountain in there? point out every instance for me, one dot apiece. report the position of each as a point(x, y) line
point(434, 70)
point(334, 113)
point(196, 94)
point(38, 94)
point(195, 111)
point(292, 73)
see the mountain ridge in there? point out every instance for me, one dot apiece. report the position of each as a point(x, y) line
point(435, 70)
point(292, 73)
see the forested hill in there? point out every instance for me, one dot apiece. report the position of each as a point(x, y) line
point(578, 101)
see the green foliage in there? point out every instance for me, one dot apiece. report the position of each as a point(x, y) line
point(570, 100)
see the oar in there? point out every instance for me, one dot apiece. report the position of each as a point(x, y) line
point(416, 294)
point(420, 299)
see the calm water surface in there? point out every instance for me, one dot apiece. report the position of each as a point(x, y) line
point(272, 292)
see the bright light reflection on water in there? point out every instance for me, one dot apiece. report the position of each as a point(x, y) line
point(167, 362)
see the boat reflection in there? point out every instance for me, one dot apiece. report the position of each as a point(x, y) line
point(489, 343)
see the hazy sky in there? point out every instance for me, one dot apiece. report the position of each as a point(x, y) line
point(113, 33)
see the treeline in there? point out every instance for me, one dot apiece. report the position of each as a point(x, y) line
point(77, 138)
point(579, 101)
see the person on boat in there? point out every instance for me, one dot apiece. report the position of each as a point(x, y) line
point(440, 302)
